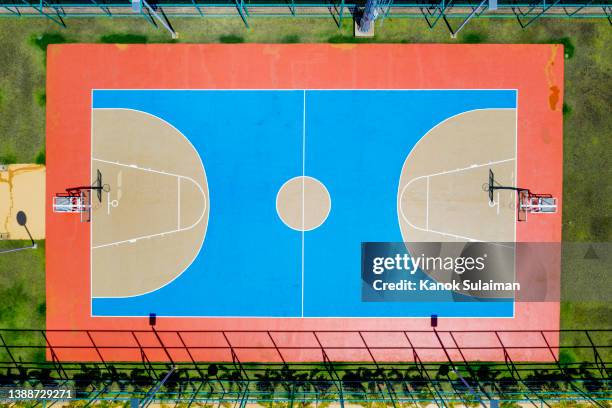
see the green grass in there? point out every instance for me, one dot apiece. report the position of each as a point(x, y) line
point(290, 39)
point(231, 39)
point(43, 40)
point(123, 38)
point(22, 280)
point(472, 37)
point(587, 201)
point(41, 157)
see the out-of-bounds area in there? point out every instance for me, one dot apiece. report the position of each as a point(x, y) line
point(586, 133)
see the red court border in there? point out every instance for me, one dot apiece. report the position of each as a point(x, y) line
point(74, 70)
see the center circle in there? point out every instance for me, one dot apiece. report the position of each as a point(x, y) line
point(303, 203)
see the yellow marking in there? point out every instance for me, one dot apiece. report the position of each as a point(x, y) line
point(554, 97)
point(345, 47)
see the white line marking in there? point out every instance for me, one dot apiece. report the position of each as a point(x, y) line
point(498, 202)
point(91, 218)
point(303, 189)
point(427, 229)
point(427, 203)
point(108, 203)
point(516, 181)
point(302, 89)
point(297, 228)
point(207, 203)
point(405, 318)
point(401, 192)
point(178, 176)
point(178, 206)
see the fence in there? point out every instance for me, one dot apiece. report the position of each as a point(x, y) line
point(159, 12)
point(579, 369)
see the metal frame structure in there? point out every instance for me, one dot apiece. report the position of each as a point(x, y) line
point(526, 12)
point(238, 383)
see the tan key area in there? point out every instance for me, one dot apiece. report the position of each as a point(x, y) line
point(150, 224)
point(442, 191)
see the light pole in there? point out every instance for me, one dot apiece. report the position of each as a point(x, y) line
point(22, 219)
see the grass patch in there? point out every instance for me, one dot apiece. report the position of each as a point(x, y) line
point(231, 39)
point(601, 227)
point(123, 38)
point(42, 41)
point(8, 158)
point(291, 39)
point(41, 97)
point(41, 157)
point(567, 357)
point(473, 37)
point(568, 46)
point(567, 110)
point(1, 97)
point(23, 282)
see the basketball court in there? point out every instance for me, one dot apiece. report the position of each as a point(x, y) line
point(231, 187)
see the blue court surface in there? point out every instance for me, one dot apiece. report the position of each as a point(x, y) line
point(251, 142)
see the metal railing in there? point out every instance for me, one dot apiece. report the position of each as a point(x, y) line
point(165, 366)
point(451, 12)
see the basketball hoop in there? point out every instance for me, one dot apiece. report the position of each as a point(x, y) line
point(528, 202)
point(536, 203)
point(77, 200)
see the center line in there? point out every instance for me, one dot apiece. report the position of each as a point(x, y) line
point(303, 189)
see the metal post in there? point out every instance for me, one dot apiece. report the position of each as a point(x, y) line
point(330, 369)
point(106, 10)
point(599, 362)
point(57, 20)
point(390, 389)
point(440, 9)
point(57, 364)
point(456, 371)
point(151, 394)
point(369, 15)
point(423, 370)
point(545, 8)
point(145, 360)
point(569, 378)
point(16, 11)
point(137, 5)
point(242, 12)
point(197, 7)
point(8, 351)
point(467, 19)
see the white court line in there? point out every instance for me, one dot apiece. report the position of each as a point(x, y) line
point(498, 201)
point(515, 175)
point(179, 177)
point(427, 229)
point(91, 214)
point(207, 203)
point(427, 202)
point(178, 200)
point(302, 89)
point(303, 189)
